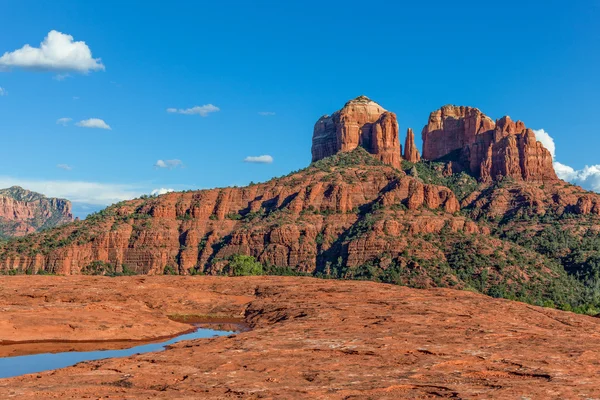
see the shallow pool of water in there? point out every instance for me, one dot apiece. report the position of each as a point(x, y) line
point(29, 364)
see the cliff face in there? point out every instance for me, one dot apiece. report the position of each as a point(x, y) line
point(23, 212)
point(360, 123)
point(488, 150)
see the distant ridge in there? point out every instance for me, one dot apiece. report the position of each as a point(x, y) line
point(23, 212)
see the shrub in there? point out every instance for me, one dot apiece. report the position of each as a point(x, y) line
point(169, 270)
point(98, 268)
point(241, 265)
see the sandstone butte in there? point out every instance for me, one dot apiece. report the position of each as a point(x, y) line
point(309, 338)
point(484, 148)
point(23, 212)
point(349, 208)
point(361, 122)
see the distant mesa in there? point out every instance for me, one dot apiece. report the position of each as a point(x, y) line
point(489, 150)
point(23, 212)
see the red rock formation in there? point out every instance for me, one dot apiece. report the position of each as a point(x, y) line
point(361, 122)
point(23, 212)
point(488, 150)
point(196, 229)
point(411, 153)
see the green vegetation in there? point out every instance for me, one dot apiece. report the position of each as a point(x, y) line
point(430, 172)
point(240, 265)
point(169, 270)
point(356, 157)
point(106, 269)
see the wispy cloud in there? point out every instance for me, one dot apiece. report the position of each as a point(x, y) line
point(266, 113)
point(93, 123)
point(58, 52)
point(170, 164)
point(61, 77)
point(158, 192)
point(65, 167)
point(94, 193)
point(3, 92)
point(264, 159)
point(63, 121)
point(203, 111)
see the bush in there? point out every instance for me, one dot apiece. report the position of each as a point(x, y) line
point(98, 268)
point(240, 265)
point(104, 268)
point(169, 270)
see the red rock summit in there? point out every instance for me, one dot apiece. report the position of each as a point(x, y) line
point(361, 122)
point(485, 148)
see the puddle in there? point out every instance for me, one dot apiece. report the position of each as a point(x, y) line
point(33, 363)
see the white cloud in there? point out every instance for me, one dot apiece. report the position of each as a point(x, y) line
point(94, 193)
point(58, 52)
point(170, 164)
point(3, 92)
point(93, 123)
point(75, 97)
point(203, 111)
point(543, 136)
point(63, 121)
point(158, 192)
point(588, 177)
point(265, 159)
point(266, 113)
point(66, 167)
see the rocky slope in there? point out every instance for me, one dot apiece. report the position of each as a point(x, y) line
point(310, 338)
point(23, 212)
point(362, 215)
point(486, 149)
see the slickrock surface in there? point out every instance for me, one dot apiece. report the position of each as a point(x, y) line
point(361, 122)
point(46, 309)
point(485, 148)
point(23, 212)
point(311, 338)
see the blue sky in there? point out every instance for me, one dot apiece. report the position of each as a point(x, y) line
point(271, 68)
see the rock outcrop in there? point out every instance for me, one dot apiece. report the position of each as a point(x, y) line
point(411, 153)
point(361, 122)
point(488, 150)
point(311, 339)
point(23, 212)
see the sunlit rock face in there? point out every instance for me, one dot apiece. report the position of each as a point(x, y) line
point(361, 122)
